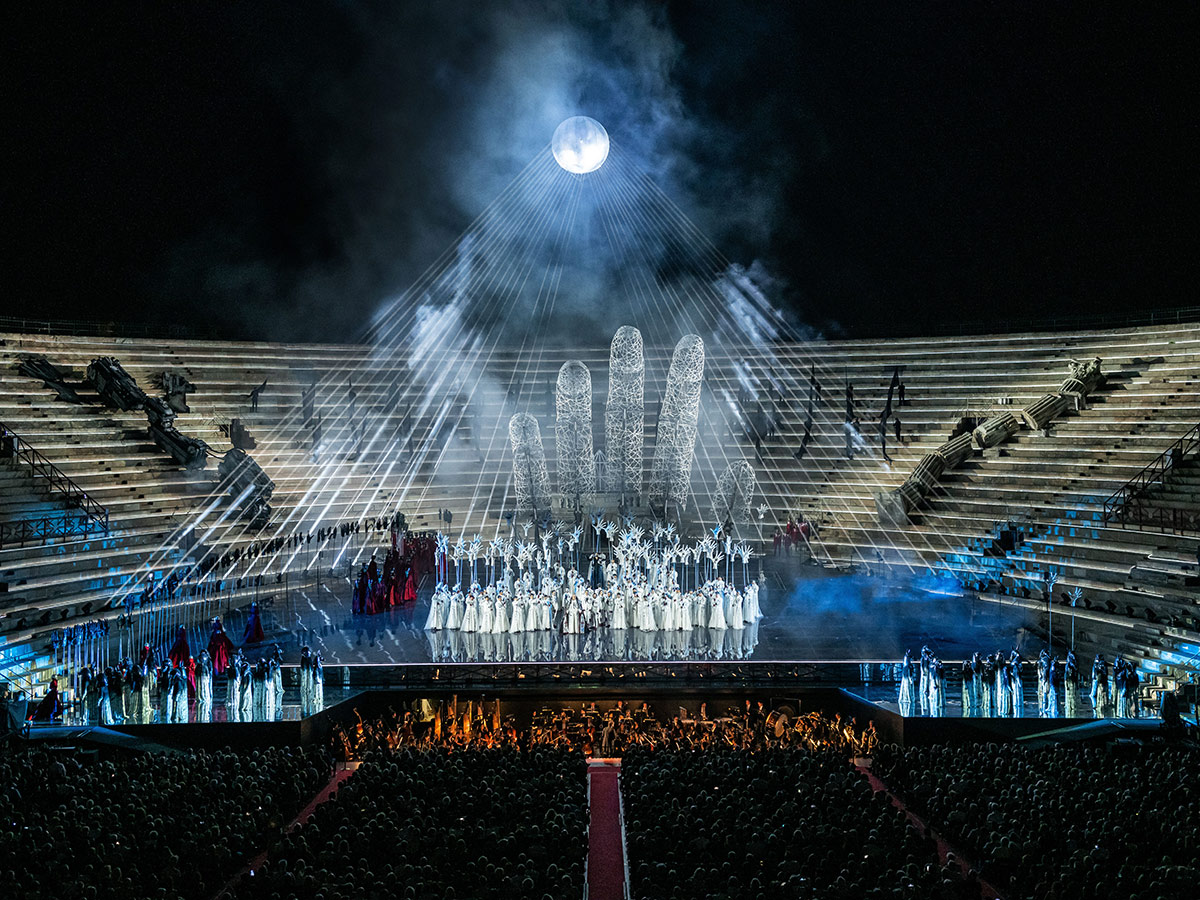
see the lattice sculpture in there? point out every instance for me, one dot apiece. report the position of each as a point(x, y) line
point(624, 414)
point(530, 477)
point(676, 440)
point(573, 434)
point(735, 491)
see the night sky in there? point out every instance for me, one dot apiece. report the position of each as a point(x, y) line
point(278, 170)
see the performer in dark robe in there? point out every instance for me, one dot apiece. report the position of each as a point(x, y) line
point(391, 596)
point(1132, 687)
point(1015, 685)
point(977, 685)
point(1118, 683)
point(306, 684)
point(104, 679)
point(116, 692)
point(259, 687)
point(1071, 682)
point(937, 701)
point(254, 630)
point(48, 709)
point(180, 651)
point(1052, 678)
point(358, 605)
point(163, 683)
point(244, 687)
point(177, 706)
point(220, 647)
point(142, 679)
point(275, 680)
point(1099, 692)
point(968, 686)
point(89, 693)
point(987, 703)
point(273, 690)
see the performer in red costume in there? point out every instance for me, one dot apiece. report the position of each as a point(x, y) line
point(410, 586)
point(180, 651)
point(220, 647)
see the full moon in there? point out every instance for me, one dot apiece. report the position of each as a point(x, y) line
point(580, 144)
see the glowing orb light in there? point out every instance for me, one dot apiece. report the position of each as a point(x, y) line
point(580, 144)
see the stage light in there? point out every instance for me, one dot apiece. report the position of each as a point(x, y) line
point(580, 144)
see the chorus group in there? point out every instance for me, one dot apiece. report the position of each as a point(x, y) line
point(995, 686)
point(566, 604)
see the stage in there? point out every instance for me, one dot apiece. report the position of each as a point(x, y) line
point(838, 620)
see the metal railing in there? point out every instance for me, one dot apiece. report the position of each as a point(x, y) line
point(19, 325)
point(1029, 324)
point(1132, 504)
point(44, 528)
point(93, 516)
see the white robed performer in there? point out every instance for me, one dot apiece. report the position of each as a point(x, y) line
point(258, 677)
point(275, 668)
point(438, 609)
point(318, 683)
point(177, 695)
point(906, 682)
point(535, 592)
point(204, 687)
point(232, 677)
point(245, 695)
point(500, 621)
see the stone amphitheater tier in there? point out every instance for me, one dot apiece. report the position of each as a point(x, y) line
point(1054, 485)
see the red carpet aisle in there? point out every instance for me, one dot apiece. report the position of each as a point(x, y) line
point(989, 892)
point(606, 845)
point(339, 776)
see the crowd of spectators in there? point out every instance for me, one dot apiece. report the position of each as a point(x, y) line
point(780, 823)
point(144, 825)
point(431, 823)
point(1071, 821)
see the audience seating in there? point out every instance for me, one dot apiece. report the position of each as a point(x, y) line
point(1065, 822)
point(1057, 485)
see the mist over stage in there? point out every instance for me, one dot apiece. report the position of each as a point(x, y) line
point(820, 618)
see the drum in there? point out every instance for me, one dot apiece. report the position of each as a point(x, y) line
point(777, 722)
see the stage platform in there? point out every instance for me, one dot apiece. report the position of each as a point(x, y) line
point(846, 619)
